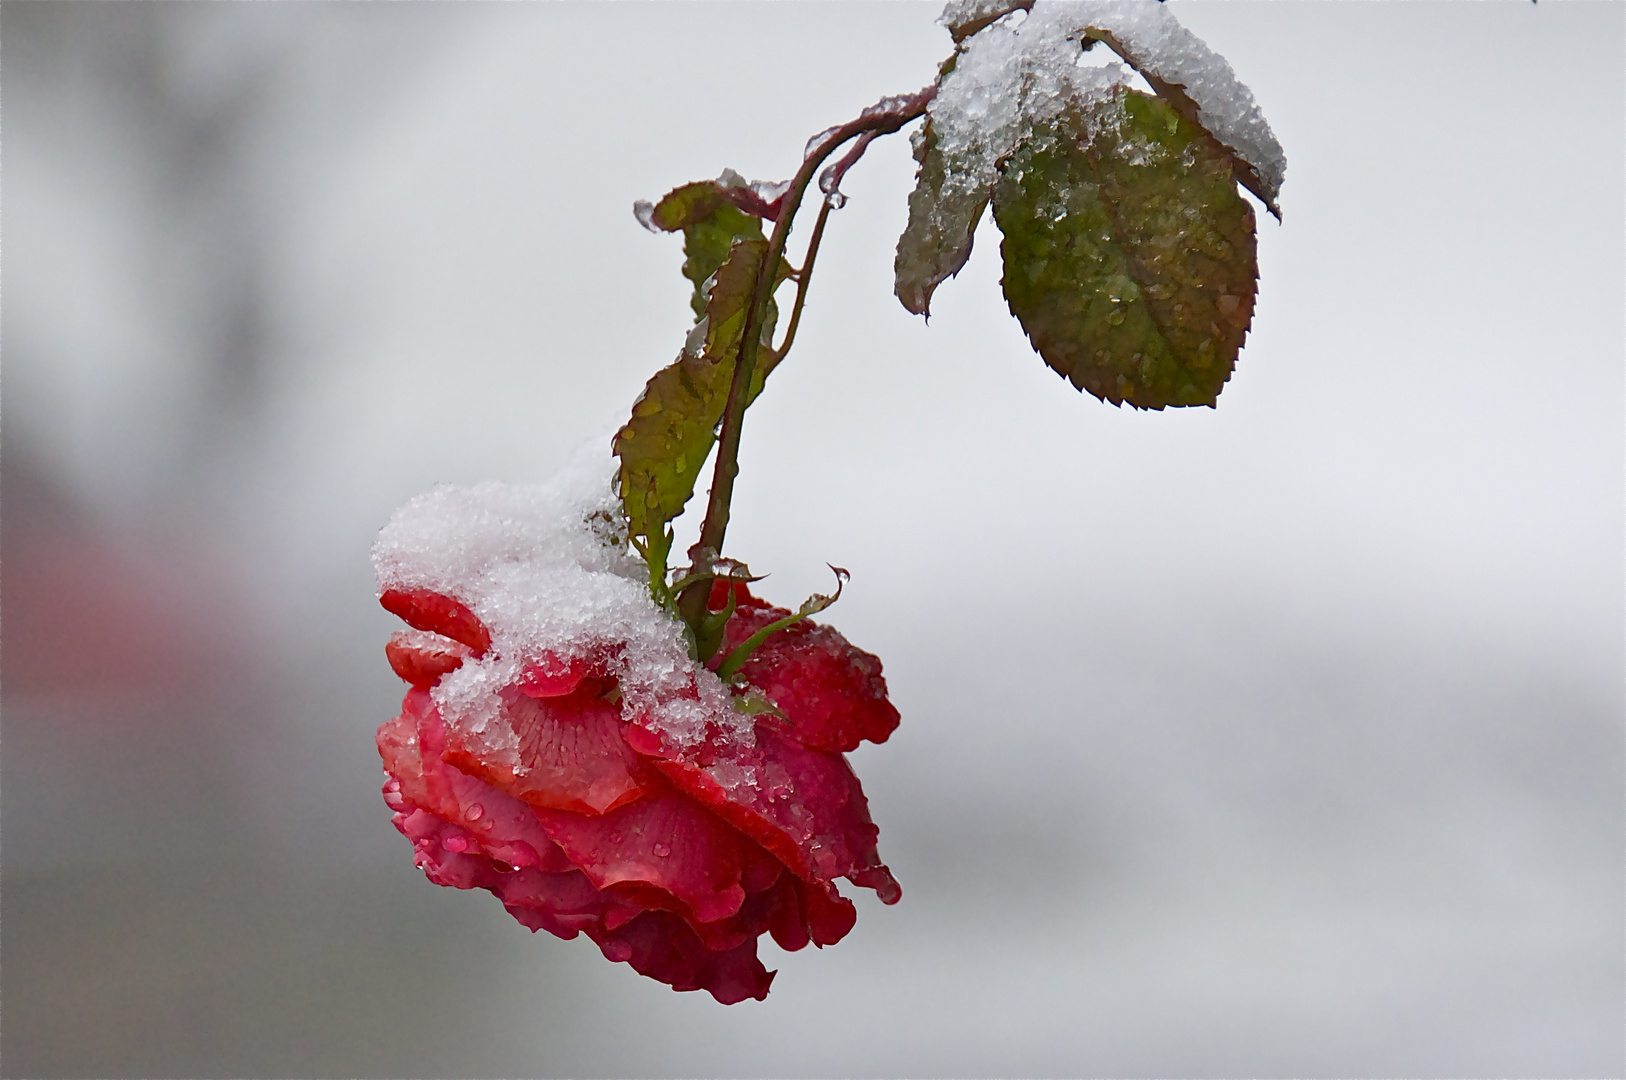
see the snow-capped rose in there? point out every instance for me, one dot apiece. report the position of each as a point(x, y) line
point(673, 848)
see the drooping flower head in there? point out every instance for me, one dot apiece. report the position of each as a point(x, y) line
point(559, 747)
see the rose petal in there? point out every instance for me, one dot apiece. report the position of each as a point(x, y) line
point(552, 676)
point(421, 658)
point(754, 917)
point(424, 609)
point(758, 869)
point(663, 848)
point(799, 912)
point(662, 946)
point(562, 903)
point(787, 921)
point(676, 876)
point(830, 916)
point(805, 807)
point(832, 694)
point(764, 879)
point(411, 746)
point(571, 753)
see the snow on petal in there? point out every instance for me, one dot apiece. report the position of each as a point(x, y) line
point(560, 749)
point(545, 569)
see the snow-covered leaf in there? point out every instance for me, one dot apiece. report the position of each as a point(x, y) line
point(1171, 56)
point(1006, 57)
point(1129, 254)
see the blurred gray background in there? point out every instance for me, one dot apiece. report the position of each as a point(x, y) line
point(1281, 739)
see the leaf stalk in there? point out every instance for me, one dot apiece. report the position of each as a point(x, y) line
point(880, 119)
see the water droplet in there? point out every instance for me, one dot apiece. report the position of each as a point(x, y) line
point(662, 850)
point(455, 844)
point(1116, 316)
point(615, 838)
point(474, 811)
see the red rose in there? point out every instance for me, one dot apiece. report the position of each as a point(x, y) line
point(673, 847)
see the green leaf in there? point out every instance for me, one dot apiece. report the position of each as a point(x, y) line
point(673, 425)
point(1129, 255)
point(730, 295)
point(710, 224)
point(944, 210)
point(665, 443)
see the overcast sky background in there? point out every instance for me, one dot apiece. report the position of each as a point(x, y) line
point(1278, 739)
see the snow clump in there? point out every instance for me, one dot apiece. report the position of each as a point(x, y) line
point(546, 568)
